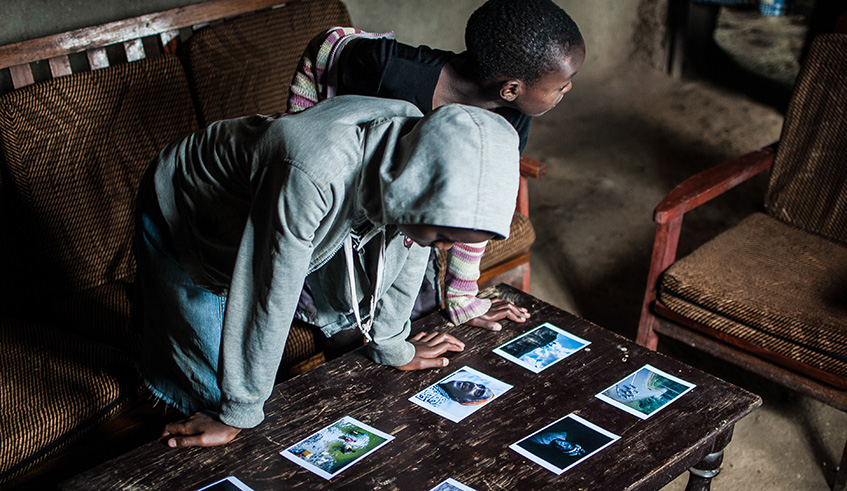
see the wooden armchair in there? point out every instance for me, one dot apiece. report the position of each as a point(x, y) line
point(769, 294)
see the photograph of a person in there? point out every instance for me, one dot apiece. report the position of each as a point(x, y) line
point(460, 394)
point(564, 443)
point(336, 447)
point(645, 391)
point(541, 347)
point(451, 484)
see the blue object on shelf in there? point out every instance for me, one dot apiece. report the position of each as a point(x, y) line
point(774, 7)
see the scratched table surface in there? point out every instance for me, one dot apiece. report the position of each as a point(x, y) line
point(428, 448)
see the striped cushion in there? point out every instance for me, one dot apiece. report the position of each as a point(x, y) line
point(771, 285)
point(75, 148)
point(54, 388)
point(808, 184)
point(244, 66)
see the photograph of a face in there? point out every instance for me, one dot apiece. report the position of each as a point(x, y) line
point(451, 485)
point(645, 391)
point(564, 443)
point(541, 347)
point(336, 447)
point(230, 483)
point(460, 394)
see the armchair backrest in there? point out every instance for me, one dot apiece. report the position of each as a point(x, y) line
point(808, 182)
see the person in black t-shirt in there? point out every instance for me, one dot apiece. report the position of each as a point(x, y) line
point(520, 61)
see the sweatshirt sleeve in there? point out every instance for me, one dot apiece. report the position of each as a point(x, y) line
point(272, 261)
point(391, 325)
point(461, 282)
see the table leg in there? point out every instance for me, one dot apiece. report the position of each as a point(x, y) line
point(700, 476)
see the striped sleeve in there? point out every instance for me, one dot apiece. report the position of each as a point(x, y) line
point(461, 283)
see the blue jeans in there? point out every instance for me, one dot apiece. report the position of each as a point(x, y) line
point(181, 325)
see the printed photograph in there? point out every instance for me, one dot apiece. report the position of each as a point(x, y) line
point(645, 391)
point(452, 485)
point(230, 483)
point(460, 394)
point(336, 447)
point(541, 347)
point(564, 443)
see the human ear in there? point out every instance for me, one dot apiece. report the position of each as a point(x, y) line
point(510, 89)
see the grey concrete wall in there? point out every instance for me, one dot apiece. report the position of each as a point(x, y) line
point(607, 25)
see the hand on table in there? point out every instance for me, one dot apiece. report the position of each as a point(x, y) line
point(429, 346)
point(500, 309)
point(200, 430)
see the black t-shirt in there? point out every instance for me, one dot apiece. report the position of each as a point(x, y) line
point(385, 68)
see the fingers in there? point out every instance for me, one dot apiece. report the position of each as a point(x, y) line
point(205, 439)
point(500, 309)
point(425, 363)
point(434, 338)
point(484, 323)
point(200, 430)
point(436, 350)
point(188, 426)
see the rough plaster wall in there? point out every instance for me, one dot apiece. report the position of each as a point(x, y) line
point(607, 25)
point(650, 33)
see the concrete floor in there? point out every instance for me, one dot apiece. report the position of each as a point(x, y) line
point(614, 147)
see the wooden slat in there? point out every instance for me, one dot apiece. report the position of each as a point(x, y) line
point(97, 58)
point(21, 75)
point(124, 30)
point(167, 38)
point(60, 66)
point(134, 49)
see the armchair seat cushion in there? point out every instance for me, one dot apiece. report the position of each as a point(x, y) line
point(54, 388)
point(770, 285)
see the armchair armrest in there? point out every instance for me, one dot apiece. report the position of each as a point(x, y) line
point(668, 215)
point(532, 168)
point(529, 168)
point(712, 182)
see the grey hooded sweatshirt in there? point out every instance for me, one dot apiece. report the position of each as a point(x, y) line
point(254, 205)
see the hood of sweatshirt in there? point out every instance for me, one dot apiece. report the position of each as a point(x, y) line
point(458, 166)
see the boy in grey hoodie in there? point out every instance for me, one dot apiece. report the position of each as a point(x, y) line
point(352, 193)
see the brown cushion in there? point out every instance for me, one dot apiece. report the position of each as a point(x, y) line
point(771, 285)
point(54, 388)
point(75, 148)
point(244, 66)
point(808, 183)
point(521, 236)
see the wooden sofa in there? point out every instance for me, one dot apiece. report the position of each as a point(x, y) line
point(82, 113)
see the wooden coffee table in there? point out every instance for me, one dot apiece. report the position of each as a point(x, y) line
point(688, 434)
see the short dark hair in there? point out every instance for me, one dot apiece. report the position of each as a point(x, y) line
point(518, 39)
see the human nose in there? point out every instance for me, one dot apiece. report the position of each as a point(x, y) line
point(442, 245)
